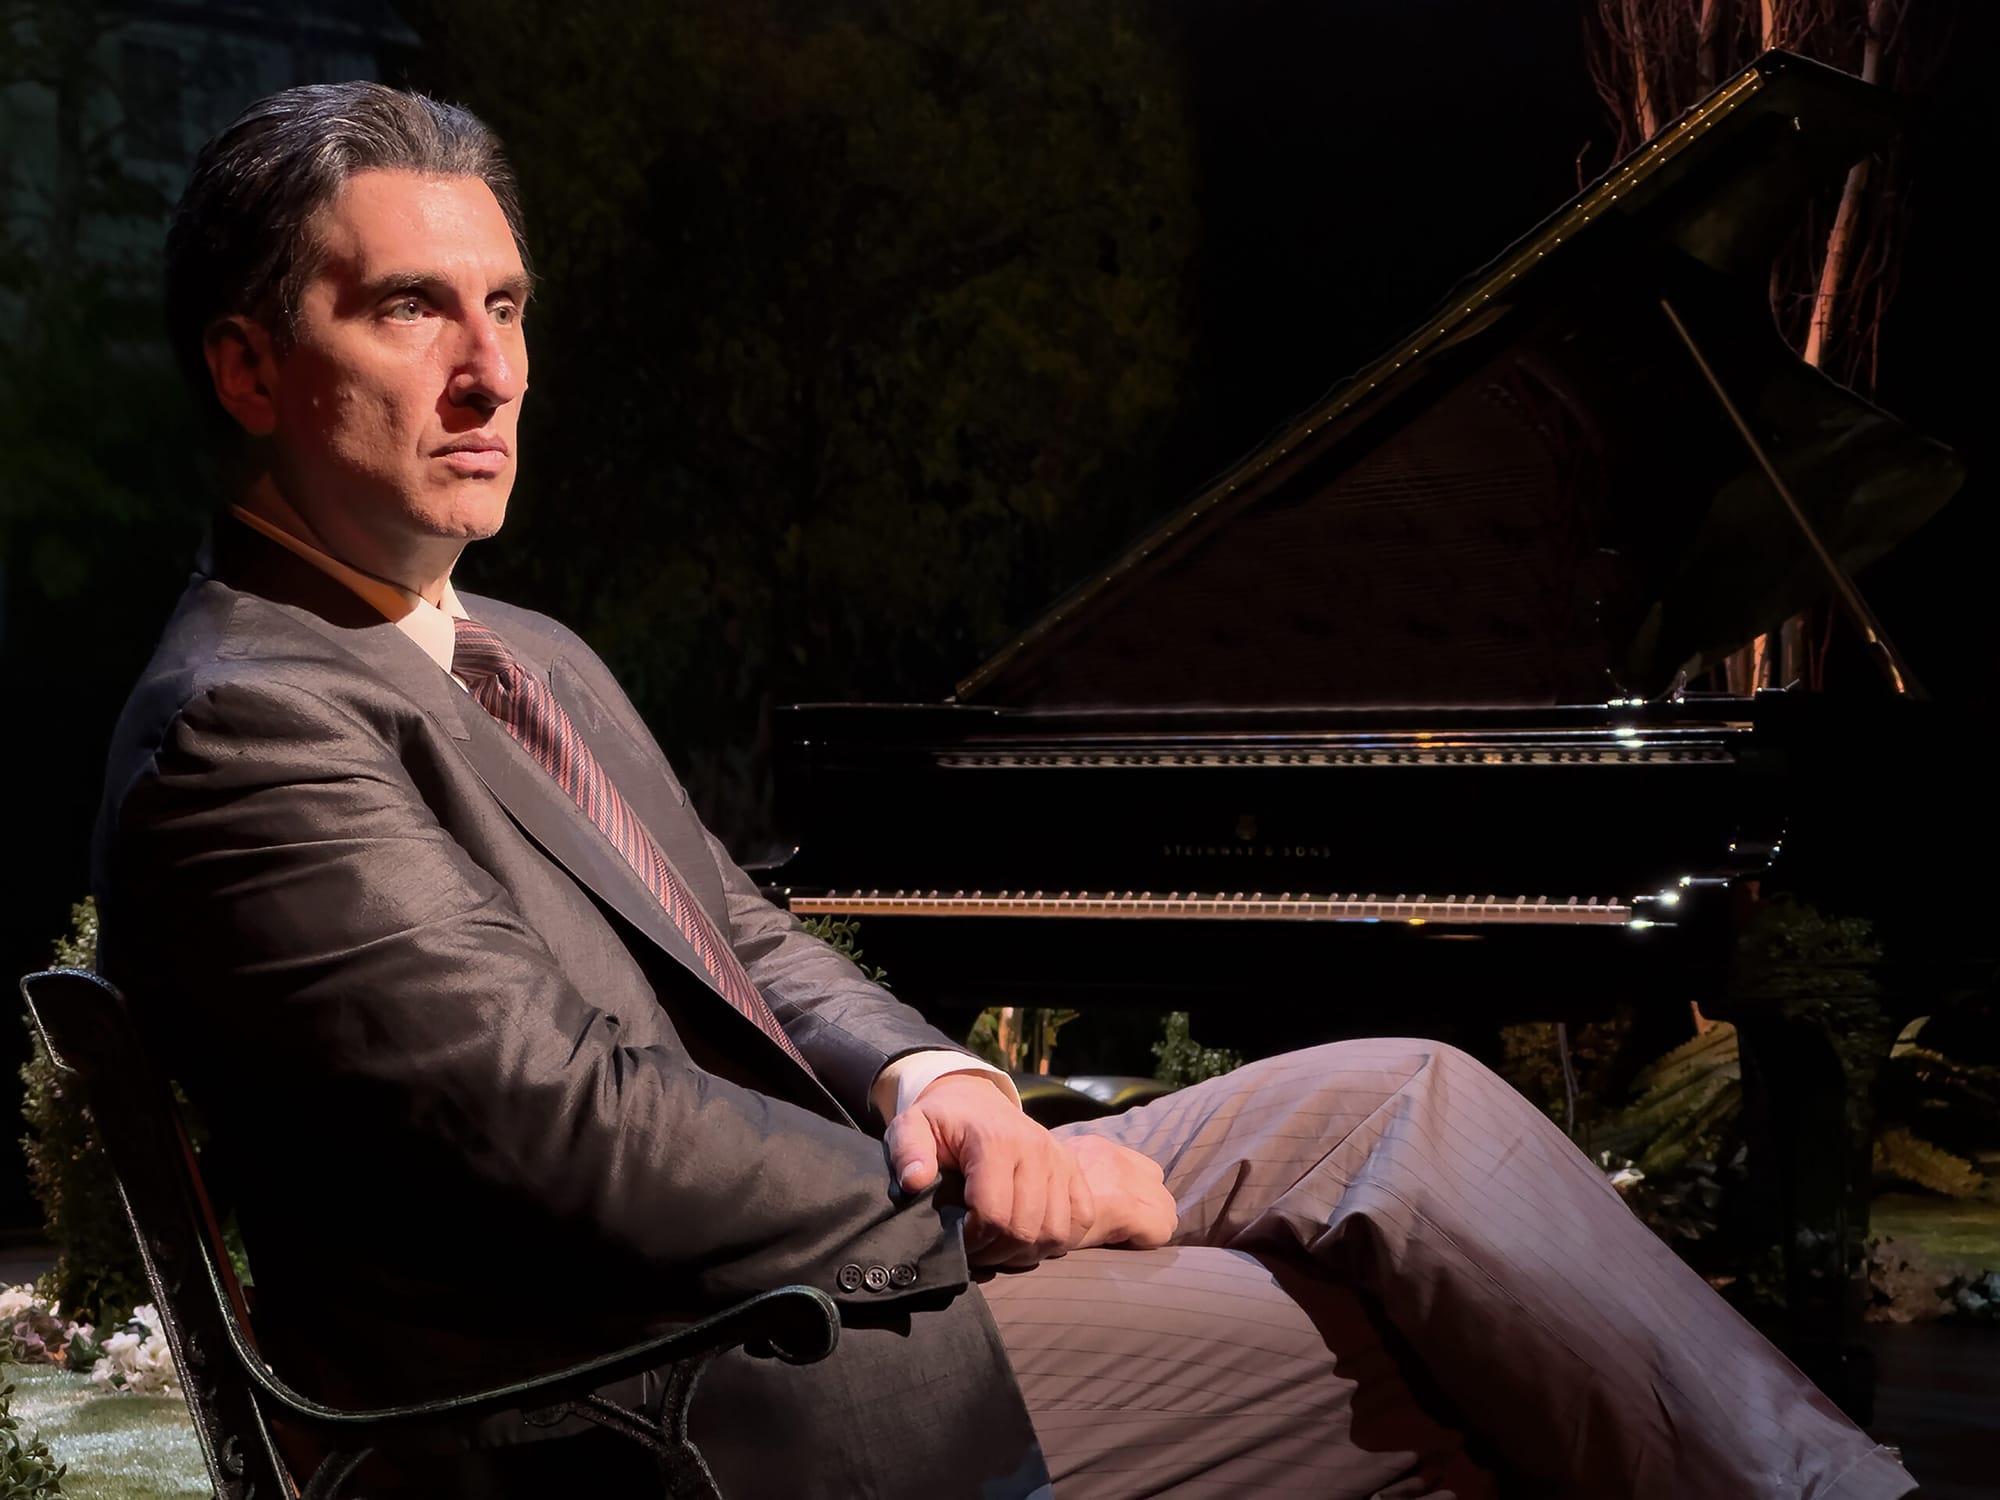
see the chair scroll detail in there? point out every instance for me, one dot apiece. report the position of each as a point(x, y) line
point(233, 1393)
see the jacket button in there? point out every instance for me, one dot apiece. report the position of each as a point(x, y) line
point(876, 1278)
point(849, 1278)
point(902, 1275)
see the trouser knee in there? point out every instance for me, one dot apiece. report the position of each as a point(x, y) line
point(1418, 1066)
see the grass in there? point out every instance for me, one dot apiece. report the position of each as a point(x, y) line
point(116, 1447)
point(1961, 1230)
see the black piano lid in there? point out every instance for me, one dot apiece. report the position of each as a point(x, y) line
point(1535, 498)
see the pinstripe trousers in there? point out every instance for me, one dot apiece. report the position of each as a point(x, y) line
point(1394, 1277)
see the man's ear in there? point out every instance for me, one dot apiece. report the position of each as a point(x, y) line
point(243, 365)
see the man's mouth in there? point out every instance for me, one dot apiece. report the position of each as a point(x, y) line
point(475, 455)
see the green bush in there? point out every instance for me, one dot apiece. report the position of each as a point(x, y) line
point(97, 1276)
point(1180, 1060)
point(843, 933)
point(27, 1469)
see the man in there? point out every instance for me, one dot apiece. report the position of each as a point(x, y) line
point(510, 1060)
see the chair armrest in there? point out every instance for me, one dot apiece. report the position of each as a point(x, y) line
point(797, 1324)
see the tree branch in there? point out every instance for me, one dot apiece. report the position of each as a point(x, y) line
point(1645, 110)
point(1840, 239)
point(1704, 46)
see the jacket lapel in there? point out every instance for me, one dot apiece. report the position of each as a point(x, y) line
point(246, 560)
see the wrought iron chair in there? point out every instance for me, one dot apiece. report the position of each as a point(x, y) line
point(234, 1394)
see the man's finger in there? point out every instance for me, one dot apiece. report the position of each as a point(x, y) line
point(913, 1151)
point(1056, 1217)
point(989, 1198)
point(1028, 1212)
point(1155, 1222)
point(1082, 1207)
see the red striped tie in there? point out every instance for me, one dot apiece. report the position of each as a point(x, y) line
point(526, 708)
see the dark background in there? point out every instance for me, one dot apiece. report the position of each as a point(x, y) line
point(999, 289)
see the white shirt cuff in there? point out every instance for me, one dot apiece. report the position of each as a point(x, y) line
point(898, 1084)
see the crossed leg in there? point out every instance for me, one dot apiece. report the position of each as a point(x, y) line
point(1549, 1320)
point(1197, 1371)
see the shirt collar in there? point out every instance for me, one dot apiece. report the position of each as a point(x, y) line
point(429, 625)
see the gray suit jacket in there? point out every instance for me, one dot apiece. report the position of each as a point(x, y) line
point(481, 1104)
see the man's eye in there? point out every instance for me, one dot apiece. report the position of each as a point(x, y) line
point(506, 314)
point(406, 310)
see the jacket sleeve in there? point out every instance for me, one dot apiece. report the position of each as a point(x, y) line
point(279, 875)
point(847, 1025)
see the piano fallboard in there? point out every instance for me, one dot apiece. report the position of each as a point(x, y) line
point(1609, 804)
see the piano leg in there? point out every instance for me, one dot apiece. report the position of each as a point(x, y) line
point(1808, 1170)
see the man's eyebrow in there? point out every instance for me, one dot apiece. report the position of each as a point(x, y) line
point(520, 287)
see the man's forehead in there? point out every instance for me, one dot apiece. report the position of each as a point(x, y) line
point(382, 220)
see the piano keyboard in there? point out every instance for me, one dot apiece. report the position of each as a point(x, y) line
point(1624, 748)
point(1600, 911)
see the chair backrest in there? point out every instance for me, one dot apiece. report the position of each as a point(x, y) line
point(89, 1033)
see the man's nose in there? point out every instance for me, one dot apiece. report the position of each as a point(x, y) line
point(492, 365)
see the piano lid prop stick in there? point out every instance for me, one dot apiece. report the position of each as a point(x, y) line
point(1856, 608)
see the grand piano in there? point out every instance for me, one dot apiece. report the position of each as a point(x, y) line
point(1392, 720)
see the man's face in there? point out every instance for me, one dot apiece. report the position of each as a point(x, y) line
point(397, 405)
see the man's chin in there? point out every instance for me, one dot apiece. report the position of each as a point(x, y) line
point(465, 536)
point(475, 509)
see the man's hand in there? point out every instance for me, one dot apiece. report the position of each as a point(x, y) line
point(1134, 1208)
point(1025, 1196)
point(1029, 1196)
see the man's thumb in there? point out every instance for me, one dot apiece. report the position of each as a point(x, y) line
point(913, 1153)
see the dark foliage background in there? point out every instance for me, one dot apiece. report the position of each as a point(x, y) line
point(860, 325)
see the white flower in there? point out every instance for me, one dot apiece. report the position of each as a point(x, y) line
point(136, 1358)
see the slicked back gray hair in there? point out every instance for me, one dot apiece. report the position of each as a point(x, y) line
point(241, 238)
